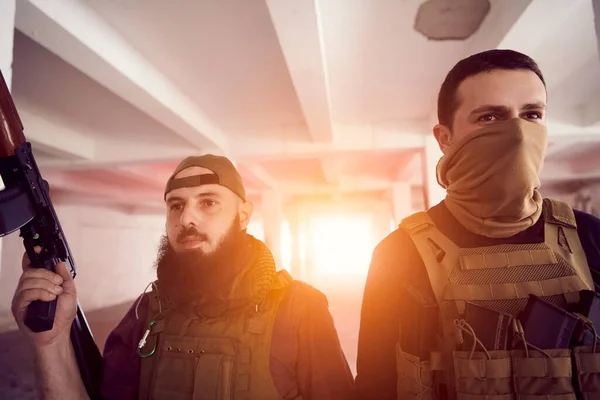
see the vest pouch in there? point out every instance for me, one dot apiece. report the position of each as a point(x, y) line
point(414, 377)
point(195, 369)
point(483, 375)
point(587, 369)
point(544, 374)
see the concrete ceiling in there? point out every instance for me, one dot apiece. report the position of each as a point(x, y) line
point(307, 97)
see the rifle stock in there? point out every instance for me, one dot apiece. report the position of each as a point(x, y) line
point(25, 205)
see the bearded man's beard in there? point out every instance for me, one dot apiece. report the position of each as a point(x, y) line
point(193, 275)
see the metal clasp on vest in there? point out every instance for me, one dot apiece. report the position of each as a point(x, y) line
point(142, 342)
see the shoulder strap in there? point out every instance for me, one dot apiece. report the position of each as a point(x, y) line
point(439, 254)
point(560, 234)
point(558, 213)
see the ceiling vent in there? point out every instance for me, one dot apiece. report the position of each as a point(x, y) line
point(451, 19)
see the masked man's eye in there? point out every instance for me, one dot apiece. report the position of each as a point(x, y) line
point(534, 115)
point(487, 118)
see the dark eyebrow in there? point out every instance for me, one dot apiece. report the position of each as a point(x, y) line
point(174, 199)
point(503, 109)
point(534, 106)
point(490, 108)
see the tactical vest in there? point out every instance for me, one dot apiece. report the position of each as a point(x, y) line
point(224, 358)
point(500, 278)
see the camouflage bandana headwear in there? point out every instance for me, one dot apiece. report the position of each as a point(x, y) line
point(224, 174)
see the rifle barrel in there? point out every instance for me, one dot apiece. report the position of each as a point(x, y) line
point(11, 127)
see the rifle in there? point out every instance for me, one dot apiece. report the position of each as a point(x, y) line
point(25, 205)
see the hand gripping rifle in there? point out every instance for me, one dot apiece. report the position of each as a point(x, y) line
point(25, 204)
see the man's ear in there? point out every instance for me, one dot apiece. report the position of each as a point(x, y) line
point(246, 209)
point(443, 136)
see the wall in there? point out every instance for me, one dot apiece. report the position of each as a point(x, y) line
point(114, 254)
point(586, 198)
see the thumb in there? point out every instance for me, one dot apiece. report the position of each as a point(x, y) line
point(68, 282)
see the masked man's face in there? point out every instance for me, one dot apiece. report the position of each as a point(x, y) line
point(491, 97)
point(199, 218)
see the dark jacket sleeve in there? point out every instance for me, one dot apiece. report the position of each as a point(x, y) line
point(323, 371)
point(121, 361)
point(395, 290)
point(588, 228)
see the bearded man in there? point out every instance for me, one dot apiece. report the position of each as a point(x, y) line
point(220, 321)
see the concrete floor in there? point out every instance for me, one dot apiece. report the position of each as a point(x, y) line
point(16, 366)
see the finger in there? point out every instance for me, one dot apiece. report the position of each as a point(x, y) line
point(28, 296)
point(25, 261)
point(41, 273)
point(40, 283)
point(61, 270)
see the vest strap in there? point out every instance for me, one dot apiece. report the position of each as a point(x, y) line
point(439, 255)
point(558, 213)
point(484, 258)
point(519, 290)
point(206, 383)
point(560, 235)
point(416, 222)
point(436, 250)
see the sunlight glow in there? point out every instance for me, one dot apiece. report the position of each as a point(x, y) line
point(341, 244)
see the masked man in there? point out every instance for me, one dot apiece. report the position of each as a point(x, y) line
point(490, 244)
point(220, 322)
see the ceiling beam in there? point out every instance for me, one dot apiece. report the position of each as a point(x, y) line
point(346, 185)
point(570, 170)
point(558, 130)
point(369, 139)
point(332, 167)
point(564, 142)
point(111, 154)
point(298, 27)
point(364, 138)
point(56, 139)
point(77, 185)
point(75, 33)
point(262, 175)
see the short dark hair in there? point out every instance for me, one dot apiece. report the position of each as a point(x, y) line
point(477, 63)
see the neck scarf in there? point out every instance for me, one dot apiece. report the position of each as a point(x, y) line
point(492, 178)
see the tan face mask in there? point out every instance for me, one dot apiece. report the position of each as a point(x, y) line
point(492, 178)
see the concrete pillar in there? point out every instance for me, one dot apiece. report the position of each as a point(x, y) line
point(381, 217)
point(7, 26)
point(434, 193)
point(296, 261)
point(401, 201)
point(272, 214)
point(306, 261)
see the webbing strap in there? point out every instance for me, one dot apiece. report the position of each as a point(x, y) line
point(440, 255)
point(518, 290)
point(489, 258)
point(437, 251)
point(559, 213)
point(415, 222)
point(208, 371)
point(563, 239)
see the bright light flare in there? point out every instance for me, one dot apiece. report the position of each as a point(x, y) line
point(341, 244)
